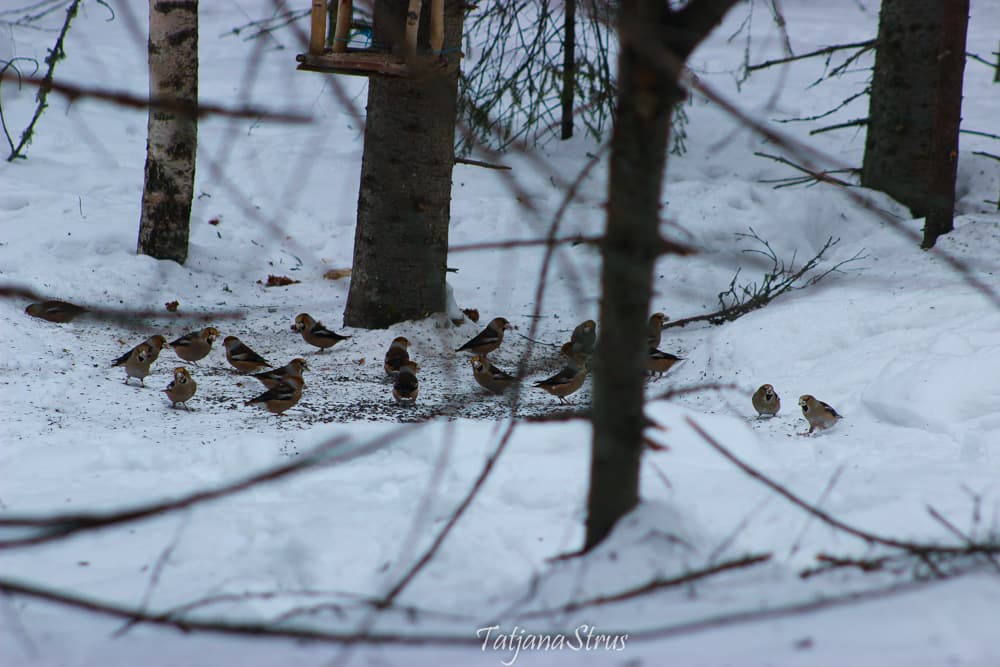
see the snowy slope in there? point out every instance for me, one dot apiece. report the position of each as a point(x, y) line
point(899, 343)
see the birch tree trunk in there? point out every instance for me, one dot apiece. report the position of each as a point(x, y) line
point(915, 108)
point(404, 201)
point(172, 135)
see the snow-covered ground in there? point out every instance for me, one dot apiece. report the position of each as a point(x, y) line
point(903, 346)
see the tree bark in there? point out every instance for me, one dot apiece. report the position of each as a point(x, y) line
point(404, 201)
point(172, 137)
point(654, 42)
point(915, 108)
point(569, 68)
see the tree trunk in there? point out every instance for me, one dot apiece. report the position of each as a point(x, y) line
point(915, 108)
point(404, 202)
point(569, 68)
point(654, 42)
point(172, 136)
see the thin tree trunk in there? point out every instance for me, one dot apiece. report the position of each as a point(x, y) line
point(654, 43)
point(404, 201)
point(569, 68)
point(915, 108)
point(172, 139)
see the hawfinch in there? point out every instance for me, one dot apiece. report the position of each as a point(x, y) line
point(271, 378)
point(181, 389)
point(820, 415)
point(765, 401)
point(281, 396)
point(656, 321)
point(138, 360)
point(315, 333)
point(566, 381)
point(241, 357)
point(59, 312)
point(489, 338)
point(396, 356)
point(660, 362)
point(582, 341)
point(406, 387)
point(195, 345)
point(490, 377)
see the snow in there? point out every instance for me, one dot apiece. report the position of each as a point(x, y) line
point(902, 345)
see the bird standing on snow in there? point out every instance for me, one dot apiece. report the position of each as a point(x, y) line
point(59, 312)
point(195, 345)
point(406, 387)
point(490, 377)
point(820, 415)
point(489, 338)
point(315, 333)
point(181, 389)
point(138, 360)
point(272, 378)
point(660, 362)
point(241, 357)
point(766, 401)
point(566, 381)
point(397, 354)
point(281, 396)
point(655, 333)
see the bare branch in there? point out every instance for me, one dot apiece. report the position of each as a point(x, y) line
point(227, 627)
point(980, 134)
point(811, 176)
point(867, 44)
point(120, 98)
point(925, 552)
point(740, 299)
point(857, 122)
point(652, 586)
point(480, 163)
point(45, 84)
point(8, 291)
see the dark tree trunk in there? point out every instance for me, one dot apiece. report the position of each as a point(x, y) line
point(569, 68)
point(172, 136)
point(654, 43)
point(404, 202)
point(915, 109)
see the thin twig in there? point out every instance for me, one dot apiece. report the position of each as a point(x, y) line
point(181, 107)
point(832, 482)
point(857, 122)
point(154, 577)
point(125, 314)
point(868, 43)
point(651, 586)
point(45, 84)
point(818, 176)
point(526, 243)
point(480, 163)
point(741, 299)
point(228, 627)
point(916, 549)
point(980, 134)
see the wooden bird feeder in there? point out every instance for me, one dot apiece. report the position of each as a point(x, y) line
point(341, 59)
